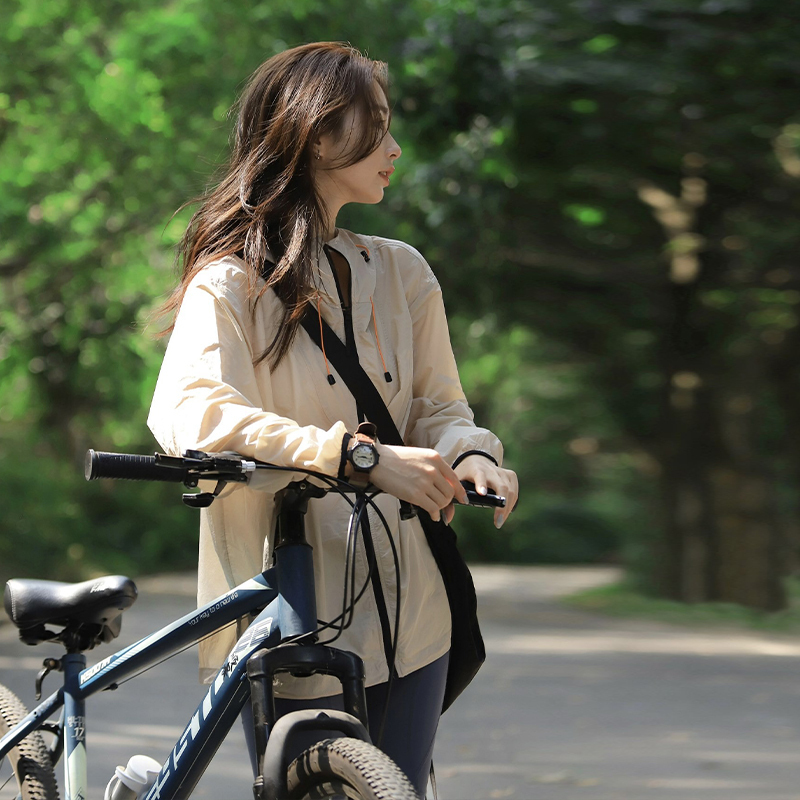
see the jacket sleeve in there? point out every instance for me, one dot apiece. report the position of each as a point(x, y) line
point(440, 415)
point(208, 396)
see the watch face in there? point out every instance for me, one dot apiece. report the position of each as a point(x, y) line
point(363, 456)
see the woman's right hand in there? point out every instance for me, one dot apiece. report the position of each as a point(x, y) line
point(418, 475)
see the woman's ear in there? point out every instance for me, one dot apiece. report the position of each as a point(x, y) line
point(322, 147)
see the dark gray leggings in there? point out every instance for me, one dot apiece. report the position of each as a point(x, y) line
point(414, 707)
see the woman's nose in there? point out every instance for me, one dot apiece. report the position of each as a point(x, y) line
point(393, 149)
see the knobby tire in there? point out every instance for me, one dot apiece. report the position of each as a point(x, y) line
point(348, 769)
point(34, 777)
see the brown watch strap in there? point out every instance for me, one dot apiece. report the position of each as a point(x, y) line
point(365, 433)
point(368, 430)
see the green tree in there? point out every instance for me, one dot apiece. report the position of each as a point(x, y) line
point(634, 166)
point(118, 118)
point(607, 191)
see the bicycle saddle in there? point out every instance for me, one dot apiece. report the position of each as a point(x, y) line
point(90, 612)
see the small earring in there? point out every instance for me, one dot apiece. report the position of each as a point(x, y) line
point(317, 156)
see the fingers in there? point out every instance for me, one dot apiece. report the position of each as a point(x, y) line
point(480, 481)
point(487, 476)
point(457, 490)
point(440, 487)
point(513, 494)
point(418, 475)
point(438, 495)
point(499, 517)
point(508, 487)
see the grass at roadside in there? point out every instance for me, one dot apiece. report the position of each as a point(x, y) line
point(623, 600)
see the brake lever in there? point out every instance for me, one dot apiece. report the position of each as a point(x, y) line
point(204, 499)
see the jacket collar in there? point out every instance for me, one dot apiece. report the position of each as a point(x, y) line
point(362, 272)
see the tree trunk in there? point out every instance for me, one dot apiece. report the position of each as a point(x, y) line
point(723, 539)
point(747, 569)
point(785, 377)
point(688, 546)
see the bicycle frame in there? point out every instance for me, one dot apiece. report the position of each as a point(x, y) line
point(285, 598)
point(281, 617)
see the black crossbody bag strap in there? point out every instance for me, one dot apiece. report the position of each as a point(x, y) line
point(358, 382)
point(467, 652)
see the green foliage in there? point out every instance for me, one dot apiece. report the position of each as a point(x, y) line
point(118, 118)
point(54, 525)
point(543, 145)
point(577, 501)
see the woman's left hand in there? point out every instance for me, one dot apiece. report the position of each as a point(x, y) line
point(487, 475)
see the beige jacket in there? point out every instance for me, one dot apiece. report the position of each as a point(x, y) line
point(210, 397)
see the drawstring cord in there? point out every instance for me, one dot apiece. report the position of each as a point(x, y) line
point(386, 374)
point(331, 379)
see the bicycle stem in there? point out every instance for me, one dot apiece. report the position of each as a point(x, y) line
point(295, 566)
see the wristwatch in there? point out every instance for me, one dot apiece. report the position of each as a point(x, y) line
point(362, 453)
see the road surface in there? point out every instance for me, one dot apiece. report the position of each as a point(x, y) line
point(569, 706)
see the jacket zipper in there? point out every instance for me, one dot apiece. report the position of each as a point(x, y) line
point(369, 546)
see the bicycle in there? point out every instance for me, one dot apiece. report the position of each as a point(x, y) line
point(283, 637)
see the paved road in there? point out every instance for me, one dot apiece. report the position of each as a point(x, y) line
point(569, 706)
point(580, 707)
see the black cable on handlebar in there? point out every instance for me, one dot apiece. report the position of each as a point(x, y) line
point(348, 606)
point(342, 621)
point(355, 523)
point(222, 467)
point(353, 529)
point(396, 637)
point(198, 465)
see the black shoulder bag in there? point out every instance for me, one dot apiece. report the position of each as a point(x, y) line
point(467, 651)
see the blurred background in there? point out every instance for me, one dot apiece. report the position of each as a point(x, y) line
point(609, 193)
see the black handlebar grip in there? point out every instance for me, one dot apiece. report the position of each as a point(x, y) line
point(130, 467)
point(488, 500)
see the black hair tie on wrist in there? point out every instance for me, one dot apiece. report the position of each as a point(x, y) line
point(475, 453)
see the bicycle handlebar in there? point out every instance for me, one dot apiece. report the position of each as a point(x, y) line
point(130, 467)
point(196, 465)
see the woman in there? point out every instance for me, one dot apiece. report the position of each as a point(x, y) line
point(240, 374)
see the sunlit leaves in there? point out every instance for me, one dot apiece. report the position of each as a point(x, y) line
point(129, 96)
point(586, 215)
point(600, 44)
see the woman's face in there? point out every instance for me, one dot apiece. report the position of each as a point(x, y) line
point(364, 181)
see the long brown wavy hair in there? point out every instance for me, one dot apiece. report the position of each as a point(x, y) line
point(266, 200)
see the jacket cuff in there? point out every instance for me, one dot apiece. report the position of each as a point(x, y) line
point(474, 453)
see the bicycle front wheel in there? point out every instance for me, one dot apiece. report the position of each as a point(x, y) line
point(26, 773)
point(347, 769)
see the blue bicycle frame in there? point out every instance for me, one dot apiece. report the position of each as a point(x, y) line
point(283, 616)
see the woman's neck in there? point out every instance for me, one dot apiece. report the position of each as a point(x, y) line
point(332, 210)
